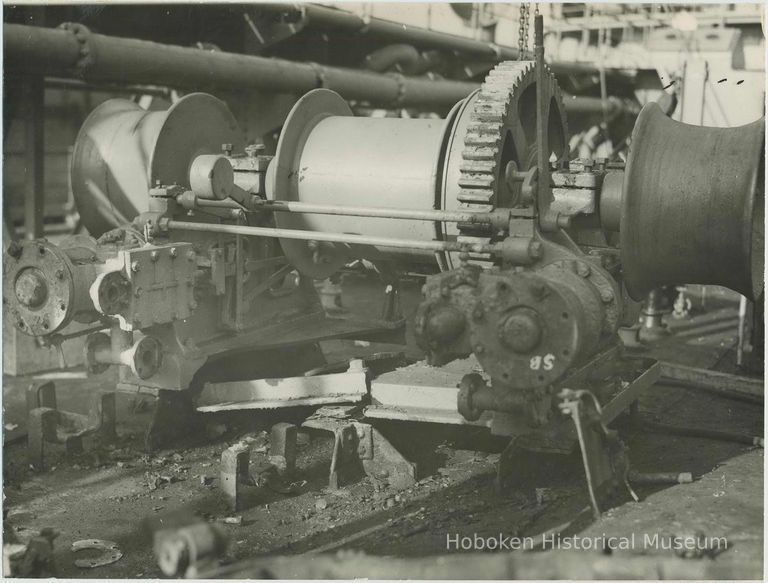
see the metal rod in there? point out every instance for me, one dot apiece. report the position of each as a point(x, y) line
point(440, 216)
point(55, 51)
point(543, 194)
point(76, 85)
point(728, 385)
point(332, 237)
point(702, 432)
point(34, 157)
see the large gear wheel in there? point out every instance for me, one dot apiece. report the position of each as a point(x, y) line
point(496, 125)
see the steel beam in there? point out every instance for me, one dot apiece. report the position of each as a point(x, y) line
point(346, 387)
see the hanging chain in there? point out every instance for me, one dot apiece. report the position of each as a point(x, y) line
point(522, 33)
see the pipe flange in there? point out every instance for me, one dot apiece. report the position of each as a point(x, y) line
point(110, 553)
point(146, 358)
point(96, 343)
point(38, 288)
point(87, 55)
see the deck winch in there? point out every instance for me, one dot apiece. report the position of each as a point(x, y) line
point(208, 246)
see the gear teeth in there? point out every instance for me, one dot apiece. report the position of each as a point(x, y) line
point(489, 120)
point(482, 142)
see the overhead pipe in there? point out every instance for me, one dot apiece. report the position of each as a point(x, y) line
point(96, 57)
point(75, 52)
point(342, 20)
point(332, 18)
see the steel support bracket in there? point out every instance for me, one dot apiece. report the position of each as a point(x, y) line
point(359, 448)
point(48, 424)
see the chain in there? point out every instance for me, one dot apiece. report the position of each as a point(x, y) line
point(522, 33)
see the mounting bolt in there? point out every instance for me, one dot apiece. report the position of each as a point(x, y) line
point(14, 250)
point(135, 266)
point(254, 150)
point(173, 252)
point(535, 249)
point(606, 295)
point(539, 290)
point(227, 149)
point(583, 269)
point(59, 274)
point(154, 256)
point(190, 255)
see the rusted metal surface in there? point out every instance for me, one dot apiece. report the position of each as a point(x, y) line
point(359, 448)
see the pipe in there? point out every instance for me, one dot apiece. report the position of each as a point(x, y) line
point(57, 52)
point(383, 59)
point(593, 105)
point(347, 238)
point(343, 20)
